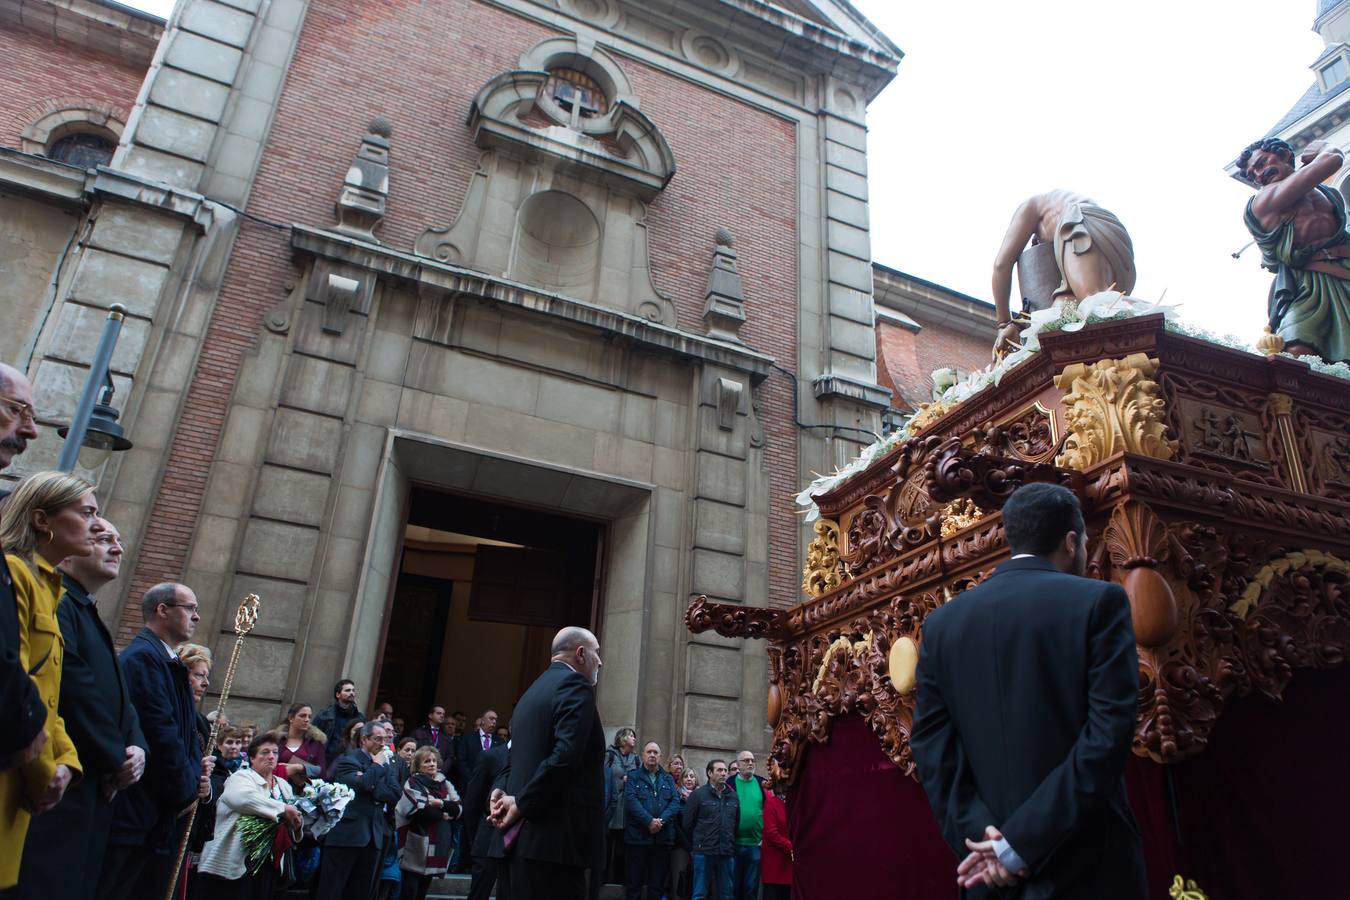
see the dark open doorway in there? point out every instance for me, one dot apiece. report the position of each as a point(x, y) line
point(481, 589)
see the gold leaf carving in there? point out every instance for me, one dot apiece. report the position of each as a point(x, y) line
point(960, 513)
point(821, 573)
point(1113, 406)
point(1297, 559)
point(927, 414)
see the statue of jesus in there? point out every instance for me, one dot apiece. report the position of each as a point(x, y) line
point(1092, 250)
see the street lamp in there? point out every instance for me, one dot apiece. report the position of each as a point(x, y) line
point(93, 433)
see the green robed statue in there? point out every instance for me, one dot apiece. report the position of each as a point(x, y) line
point(1300, 226)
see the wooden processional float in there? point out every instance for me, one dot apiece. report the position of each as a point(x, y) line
point(1216, 488)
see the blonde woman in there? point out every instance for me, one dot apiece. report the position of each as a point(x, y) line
point(50, 516)
point(197, 660)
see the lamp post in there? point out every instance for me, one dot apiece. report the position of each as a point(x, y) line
point(93, 432)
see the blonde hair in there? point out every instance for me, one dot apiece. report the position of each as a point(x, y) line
point(46, 491)
point(423, 754)
point(191, 654)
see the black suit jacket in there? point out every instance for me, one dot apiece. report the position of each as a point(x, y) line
point(1026, 708)
point(95, 702)
point(490, 766)
point(556, 770)
point(444, 744)
point(144, 814)
point(468, 748)
point(364, 821)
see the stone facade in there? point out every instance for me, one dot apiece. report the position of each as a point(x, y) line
point(369, 246)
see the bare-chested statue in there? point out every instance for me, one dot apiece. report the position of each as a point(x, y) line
point(1300, 226)
point(1092, 250)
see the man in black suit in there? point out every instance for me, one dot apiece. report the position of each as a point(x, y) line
point(1024, 717)
point(469, 749)
point(435, 734)
point(148, 816)
point(487, 850)
point(64, 852)
point(555, 781)
point(22, 713)
point(353, 849)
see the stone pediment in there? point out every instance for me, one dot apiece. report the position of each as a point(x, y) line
point(559, 200)
point(516, 113)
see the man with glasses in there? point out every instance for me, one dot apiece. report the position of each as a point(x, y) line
point(64, 852)
point(22, 713)
point(352, 850)
point(749, 826)
point(147, 816)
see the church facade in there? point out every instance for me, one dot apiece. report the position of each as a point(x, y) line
point(453, 322)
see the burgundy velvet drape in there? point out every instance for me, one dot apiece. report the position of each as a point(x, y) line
point(1263, 809)
point(1257, 816)
point(860, 828)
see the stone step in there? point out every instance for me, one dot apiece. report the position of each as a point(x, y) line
point(456, 887)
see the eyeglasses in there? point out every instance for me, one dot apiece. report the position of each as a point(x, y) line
point(190, 607)
point(19, 409)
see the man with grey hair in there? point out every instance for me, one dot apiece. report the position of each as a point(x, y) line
point(351, 851)
point(64, 852)
point(551, 809)
point(146, 816)
point(22, 713)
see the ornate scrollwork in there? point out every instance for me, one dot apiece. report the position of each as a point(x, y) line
point(730, 620)
point(1113, 405)
point(954, 470)
point(1029, 436)
point(822, 560)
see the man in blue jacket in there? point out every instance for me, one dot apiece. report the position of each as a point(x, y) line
point(148, 816)
point(651, 803)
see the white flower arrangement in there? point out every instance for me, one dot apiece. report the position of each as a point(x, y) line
point(1064, 315)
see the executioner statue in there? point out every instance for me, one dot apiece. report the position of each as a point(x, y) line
point(1300, 225)
point(1077, 249)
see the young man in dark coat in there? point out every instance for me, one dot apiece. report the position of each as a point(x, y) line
point(333, 719)
point(1025, 713)
point(555, 779)
point(63, 855)
point(353, 849)
point(148, 817)
point(651, 803)
point(710, 818)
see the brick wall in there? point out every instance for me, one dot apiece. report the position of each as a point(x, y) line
point(906, 360)
point(353, 62)
point(55, 75)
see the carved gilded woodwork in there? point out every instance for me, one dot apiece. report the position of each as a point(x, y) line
point(1216, 486)
point(822, 573)
point(1113, 406)
point(1030, 435)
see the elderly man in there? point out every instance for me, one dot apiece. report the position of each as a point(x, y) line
point(1300, 225)
point(555, 785)
point(22, 715)
point(651, 803)
point(147, 816)
point(1093, 252)
point(351, 851)
point(64, 852)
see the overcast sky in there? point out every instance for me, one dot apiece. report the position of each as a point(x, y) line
point(1137, 104)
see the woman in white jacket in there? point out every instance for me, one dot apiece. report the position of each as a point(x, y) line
point(253, 791)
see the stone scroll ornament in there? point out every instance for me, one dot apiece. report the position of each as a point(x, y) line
point(244, 619)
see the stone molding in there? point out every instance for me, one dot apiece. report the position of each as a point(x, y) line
point(835, 386)
point(458, 281)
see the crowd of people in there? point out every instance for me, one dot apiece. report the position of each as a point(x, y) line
point(114, 785)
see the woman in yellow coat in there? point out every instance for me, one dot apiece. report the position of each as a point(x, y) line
point(50, 516)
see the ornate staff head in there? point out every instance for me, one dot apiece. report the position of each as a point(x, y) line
point(246, 616)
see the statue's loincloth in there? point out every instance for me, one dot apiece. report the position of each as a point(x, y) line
point(1085, 228)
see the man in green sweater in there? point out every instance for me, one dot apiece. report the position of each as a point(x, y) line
point(750, 826)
